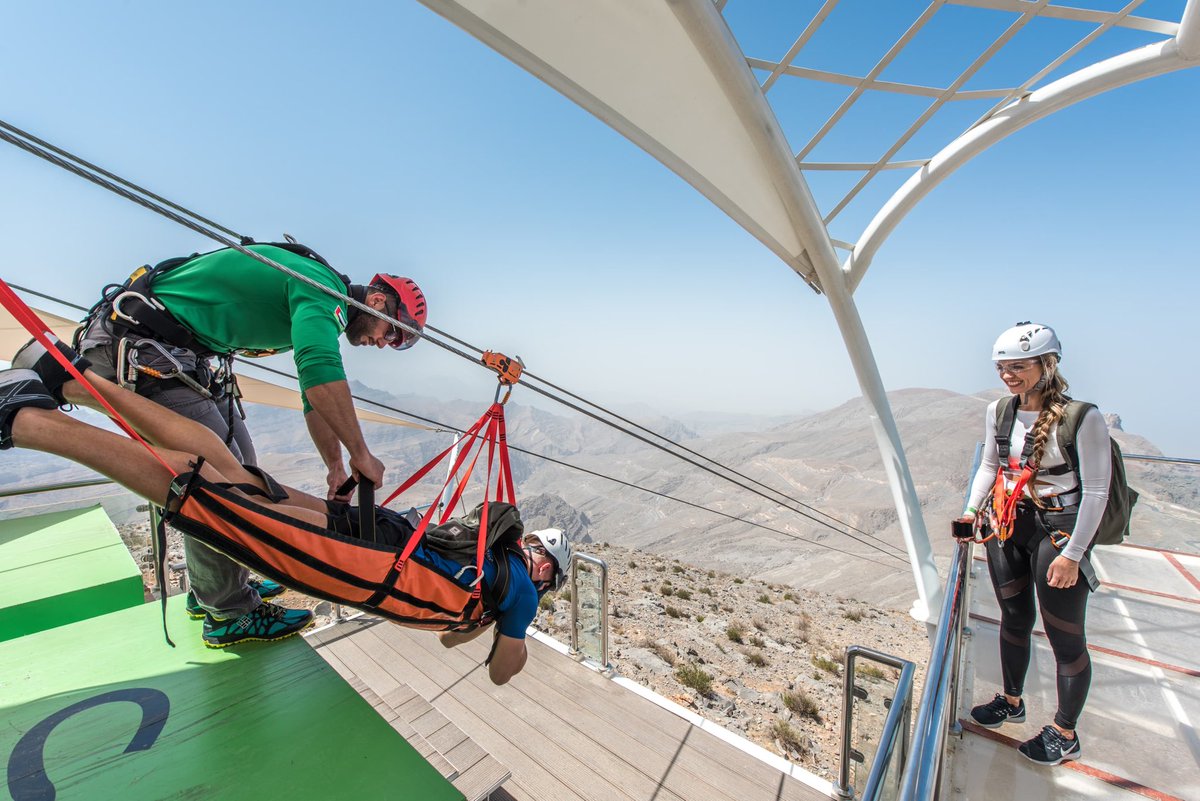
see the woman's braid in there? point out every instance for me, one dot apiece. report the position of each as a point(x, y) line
point(1054, 407)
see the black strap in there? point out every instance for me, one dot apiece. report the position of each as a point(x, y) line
point(1006, 418)
point(159, 548)
point(366, 506)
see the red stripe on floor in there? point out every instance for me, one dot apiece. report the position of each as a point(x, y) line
point(1111, 652)
point(1086, 770)
point(1145, 591)
point(1179, 566)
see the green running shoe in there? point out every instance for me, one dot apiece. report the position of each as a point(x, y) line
point(266, 623)
point(264, 587)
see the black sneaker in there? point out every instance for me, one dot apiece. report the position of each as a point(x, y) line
point(18, 389)
point(997, 711)
point(1050, 747)
point(264, 587)
point(34, 356)
point(266, 623)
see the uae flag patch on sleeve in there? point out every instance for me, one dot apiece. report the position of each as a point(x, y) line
point(339, 314)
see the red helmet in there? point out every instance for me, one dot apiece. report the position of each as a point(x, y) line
point(412, 310)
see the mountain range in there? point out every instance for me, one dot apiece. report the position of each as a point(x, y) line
point(845, 539)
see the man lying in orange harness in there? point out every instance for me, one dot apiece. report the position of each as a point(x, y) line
point(29, 418)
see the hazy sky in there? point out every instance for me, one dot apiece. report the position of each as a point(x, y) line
point(388, 139)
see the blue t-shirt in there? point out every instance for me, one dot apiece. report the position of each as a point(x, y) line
point(519, 606)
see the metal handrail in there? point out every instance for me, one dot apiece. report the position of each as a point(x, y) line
point(1145, 457)
point(62, 485)
point(923, 772)
point(895, 725)
point(603, 566)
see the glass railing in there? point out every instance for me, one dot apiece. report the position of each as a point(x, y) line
point(876, 712)
point(589, 609)
point(896, 771)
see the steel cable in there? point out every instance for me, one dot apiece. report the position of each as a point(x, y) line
point(100, 177)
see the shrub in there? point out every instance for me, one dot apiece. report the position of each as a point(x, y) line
point(802, 705)
point(805, 626)
point(756, 658)
point(735, 632)
point(645, 588)
point(672, 611)
point(787, 596)
point(694, 676)
point(757, 641)
point(683, 595)
point(660, 650)
point(870, 671)
point(706, 590)
point(763, 599)
point(547, 602)
point(632, 563)
point(712, 574)
point(825, 664)
point(699, 618)
point(660, 568)
point(788, 737)
point(676, 569)
point(759, 624)
point(666, 590)
point(565, 594)
point(738, 581)
point(853, 614)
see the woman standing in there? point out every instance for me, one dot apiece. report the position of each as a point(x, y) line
point(1041, 516)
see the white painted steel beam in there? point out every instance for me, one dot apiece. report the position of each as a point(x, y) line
point(1146, 62)
point(1188, 37)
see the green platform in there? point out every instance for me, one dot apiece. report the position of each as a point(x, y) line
point(257, 722)
point(62, 567)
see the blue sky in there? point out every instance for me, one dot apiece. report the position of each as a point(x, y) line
point(390, 140)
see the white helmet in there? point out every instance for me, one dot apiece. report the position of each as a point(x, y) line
point(1025, 340)
point(558, 546)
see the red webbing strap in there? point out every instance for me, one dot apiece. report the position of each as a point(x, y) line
point(39, 330)
point(451, 504)
point(481, 546)
point(1004, 503)
point(505, 466)
point(419, 534)
point(470, 433)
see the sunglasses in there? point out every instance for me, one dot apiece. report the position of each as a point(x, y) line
point(1015, 368)
point(396, 336)
point(540, 550)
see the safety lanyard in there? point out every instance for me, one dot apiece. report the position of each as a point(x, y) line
point(39, 330)
point(489, 431)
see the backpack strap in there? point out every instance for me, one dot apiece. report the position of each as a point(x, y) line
point(1068, 429)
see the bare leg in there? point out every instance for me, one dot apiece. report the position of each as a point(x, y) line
point(122, 459)
point(166, 429)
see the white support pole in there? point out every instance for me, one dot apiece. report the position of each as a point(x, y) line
point(1145, 62)
point(1188, 35)
point(713, 39)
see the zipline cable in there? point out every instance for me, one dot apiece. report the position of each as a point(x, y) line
point(127, 190)
point(436, 426)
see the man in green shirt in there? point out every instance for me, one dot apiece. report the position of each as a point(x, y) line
point(223, 304)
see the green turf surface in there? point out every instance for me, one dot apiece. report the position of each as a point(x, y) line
point(62, 567)
point(256, 721)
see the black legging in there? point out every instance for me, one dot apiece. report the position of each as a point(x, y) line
point(1029, 552)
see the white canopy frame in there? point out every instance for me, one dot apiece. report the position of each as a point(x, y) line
point(670, 76)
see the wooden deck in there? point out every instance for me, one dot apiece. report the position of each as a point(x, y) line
point(564, 731)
